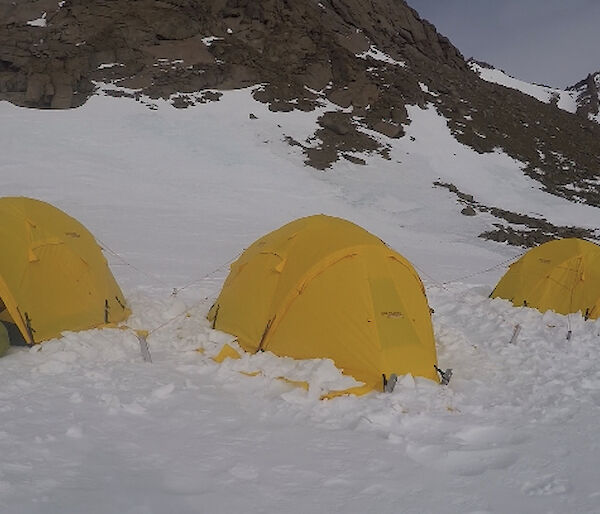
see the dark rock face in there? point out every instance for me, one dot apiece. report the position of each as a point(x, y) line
point(287, 44)
point(370, 57)
point(514, 228)
point(588, 102)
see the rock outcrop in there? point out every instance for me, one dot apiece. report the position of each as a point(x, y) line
point(588, 98)
point(370, 58)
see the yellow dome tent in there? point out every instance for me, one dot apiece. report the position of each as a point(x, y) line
point(561, 275)
point(322, 287)
point(53, 275)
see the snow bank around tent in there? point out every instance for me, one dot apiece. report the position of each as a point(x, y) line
point(85, 416)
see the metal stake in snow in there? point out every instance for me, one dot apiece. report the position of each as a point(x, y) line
point(445, 376)
point(144, 349)
point(513, 339)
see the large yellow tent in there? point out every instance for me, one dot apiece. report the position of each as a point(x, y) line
point(322, 287)
point(53, 275)
point(561, 275)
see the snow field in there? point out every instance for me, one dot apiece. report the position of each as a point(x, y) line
point(173, 195)
point(565, 100)
point(89, 414)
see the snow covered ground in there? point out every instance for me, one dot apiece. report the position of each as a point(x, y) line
point(565, 99)
point(174, 196)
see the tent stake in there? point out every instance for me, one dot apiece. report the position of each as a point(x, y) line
point(513, 339)
point(144, 349)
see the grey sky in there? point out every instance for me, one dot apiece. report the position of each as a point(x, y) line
point(552, 42)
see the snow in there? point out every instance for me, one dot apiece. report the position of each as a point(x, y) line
point(174, 196)
point(566, 100)
point(108, 65)
point(374, 53)
point(425, 89)
point(38, 22)
point(209, 40)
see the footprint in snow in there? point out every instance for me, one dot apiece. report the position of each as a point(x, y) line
point(465, 462)
point(480, 437)
point(76, 398)
point(163, 392)
point(337, 482)
point(75, 432)
point(244, 472)
point(545, 486)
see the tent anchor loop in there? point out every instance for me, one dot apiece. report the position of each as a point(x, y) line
point(389, 383)
point(30, 329)
point(214, 323)
point(569, 334)
point(144, 348)
point(262, 339)
point(586, 316)
point(174, 292)
point(445, 376)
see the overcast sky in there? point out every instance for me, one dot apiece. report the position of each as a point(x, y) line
point(552, 42)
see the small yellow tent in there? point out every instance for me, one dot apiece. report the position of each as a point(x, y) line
point(53, 276)
point(322, 287)
point(561, 275)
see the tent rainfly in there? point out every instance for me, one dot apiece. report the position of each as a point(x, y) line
point(561, 275)
point(53, 275)
point(323, 287)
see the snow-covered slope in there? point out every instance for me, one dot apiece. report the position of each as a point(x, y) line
point(583, 96)
point(174, 196)
point(566, 100)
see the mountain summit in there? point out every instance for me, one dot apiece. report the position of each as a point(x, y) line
point(588, 96)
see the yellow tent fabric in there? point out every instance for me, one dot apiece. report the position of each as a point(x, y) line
point(323, 287)
point(561, 275)
point(53, 275)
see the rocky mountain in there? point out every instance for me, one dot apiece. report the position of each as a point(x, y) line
point(588, 97)
point(364, 61)
point(582, 99)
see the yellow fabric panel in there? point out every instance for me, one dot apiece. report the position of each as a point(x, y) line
point(324, 287)
point(53, 272)
point(227, 352)
point(562, 275)
point(332, 318)
point(307, 241)
point(247, 296)
point(402, 318)
point(296, 383)
point(356, 391)
point(319, 238)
